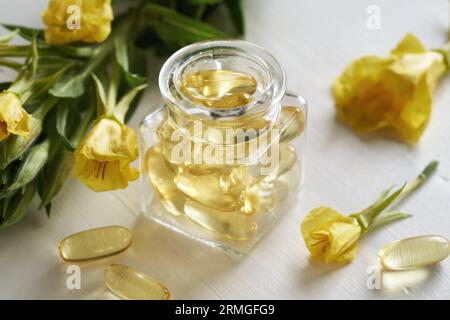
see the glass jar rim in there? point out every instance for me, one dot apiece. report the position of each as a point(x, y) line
point(272, 94)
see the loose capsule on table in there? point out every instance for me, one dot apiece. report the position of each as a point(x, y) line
point(129, 284)
point(414, 252)
point(95, 243)
point(219, 88)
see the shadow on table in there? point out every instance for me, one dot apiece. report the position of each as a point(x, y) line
point(313, 273)
point(398, 284)
point(162, 254)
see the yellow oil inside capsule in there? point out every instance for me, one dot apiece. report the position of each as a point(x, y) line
point(160, 172)
point(264, 196)
point(207, 190)
point(95, 243)
point(414, 252)
point(222, 197)
point(219, 89)
point(133, 285)
point(232, 224)
point(286, 161)
point(292, 122)
point(175, 203)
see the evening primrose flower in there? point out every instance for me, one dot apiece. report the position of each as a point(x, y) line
point(332, 237)
point(13, 117)
point(394, 93)
point(102, 160)
point(94, 18)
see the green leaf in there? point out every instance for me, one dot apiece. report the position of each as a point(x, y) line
point(5, 86)
point(367, 216)
point(122, 107)
point(17, 205)
point(388, 217)
point(237, 16)
point(8, 37)
point(26, 33)
point(55, 175)
point(76, 51)
point(62, 115)
point(133, 79)
point(59, 168)
point(175, 28)
point(202, 2)
point(15, 146)
point(69, 85)
point(102, 107)
point(30, 167)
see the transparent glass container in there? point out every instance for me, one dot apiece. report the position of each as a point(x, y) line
point(223, 175)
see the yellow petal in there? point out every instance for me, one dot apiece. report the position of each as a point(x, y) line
point(409, 44)
point(330, 236)
point(102, 160)
point(95, 21)
point(110, 140)
point(415, 116)
point(413, 67)
point(320, 217)
point(392, 93)
point(342, 238)
point(13, 117)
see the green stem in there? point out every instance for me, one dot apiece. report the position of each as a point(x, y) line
point(411, 186)
point(111, 100)
point(368, 216)
point(14, 51)
point(10, 64)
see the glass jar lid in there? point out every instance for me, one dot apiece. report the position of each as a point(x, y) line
point(234, 55)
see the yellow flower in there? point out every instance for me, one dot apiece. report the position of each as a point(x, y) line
point(102, 160)
point(376, 93)
point(13, 117)
point(94, 20)
point(330, 236)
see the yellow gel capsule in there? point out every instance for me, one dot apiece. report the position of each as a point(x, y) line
point(95, 243)
point(292, 123)
point(160, 173)
point(175, 203)
point(220, 89)
point(414, 252)
point(207, 190)
point(286, 161)
point(232, 224)
point(292, 177)
point(264, 196)
point(133, 285)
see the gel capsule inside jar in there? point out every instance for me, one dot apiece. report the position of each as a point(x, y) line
point(223, 154)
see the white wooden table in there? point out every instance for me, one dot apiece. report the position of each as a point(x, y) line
point(314, 40)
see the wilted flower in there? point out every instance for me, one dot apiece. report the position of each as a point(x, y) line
point(332, 237)
point(94, 21)
point(102, 160)
point(395, 93)
point(13, 117)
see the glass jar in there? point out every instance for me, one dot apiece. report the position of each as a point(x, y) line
point(223, 167)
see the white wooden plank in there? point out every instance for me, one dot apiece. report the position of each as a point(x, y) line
point(314, 40)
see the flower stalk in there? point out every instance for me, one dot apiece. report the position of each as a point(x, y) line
point(332, 237)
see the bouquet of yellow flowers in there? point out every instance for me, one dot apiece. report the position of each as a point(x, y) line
point(78, 82)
